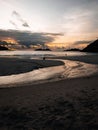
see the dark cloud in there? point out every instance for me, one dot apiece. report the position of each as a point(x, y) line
point(19, 18)
point(16, 14)
point(14, 24)
point(28, 38)
point(25, 24)
point(54, 34)
point(82, 42)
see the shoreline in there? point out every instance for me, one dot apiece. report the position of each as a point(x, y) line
point(63, 104)
point(10, 66)
point(45, 71)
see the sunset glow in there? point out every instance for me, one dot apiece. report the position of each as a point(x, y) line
point(57, 23)
point(9, 40)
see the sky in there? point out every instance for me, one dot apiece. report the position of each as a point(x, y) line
point(56, 23)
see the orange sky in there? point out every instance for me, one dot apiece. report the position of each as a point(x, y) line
point(9, 40)
point(69, 41)
point(59, 42)
point(77, 20)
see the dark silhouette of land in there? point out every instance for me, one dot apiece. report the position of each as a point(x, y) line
point(2, 45)
point(73, 49)
point(93, 47)
point(3, 48)
point(40, 49)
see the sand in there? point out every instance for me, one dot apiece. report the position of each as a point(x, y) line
point(9, 65)
point(70, 104)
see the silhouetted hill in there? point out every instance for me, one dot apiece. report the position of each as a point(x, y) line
point(93, 47)
point(3, 48)
point(40, 49)
point(73, 49)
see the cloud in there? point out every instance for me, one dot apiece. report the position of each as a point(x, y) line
point(19, 18)
point(14, 24)
point(54, 34)
point(28, 38)
point(81, 16)
point(82, 42)
point(16, 14)
point(79, 22)
point(25, 24)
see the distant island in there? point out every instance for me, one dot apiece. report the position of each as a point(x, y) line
point(3, 45)
point(40, 49)
point(2, 48)
point(93, 47)
point(73, 49)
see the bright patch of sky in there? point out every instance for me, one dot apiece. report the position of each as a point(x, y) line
point(71, 17)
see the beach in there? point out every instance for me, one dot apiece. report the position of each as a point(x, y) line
point(14, 65)
point(68, 104)
point(61, 104)
point(48, 64)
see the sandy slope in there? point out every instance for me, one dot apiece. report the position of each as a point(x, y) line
point(61, 105)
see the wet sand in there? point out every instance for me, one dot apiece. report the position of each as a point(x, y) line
point(9, 66)
point(70, 104)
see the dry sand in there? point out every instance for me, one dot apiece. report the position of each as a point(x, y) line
point(70, 104)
